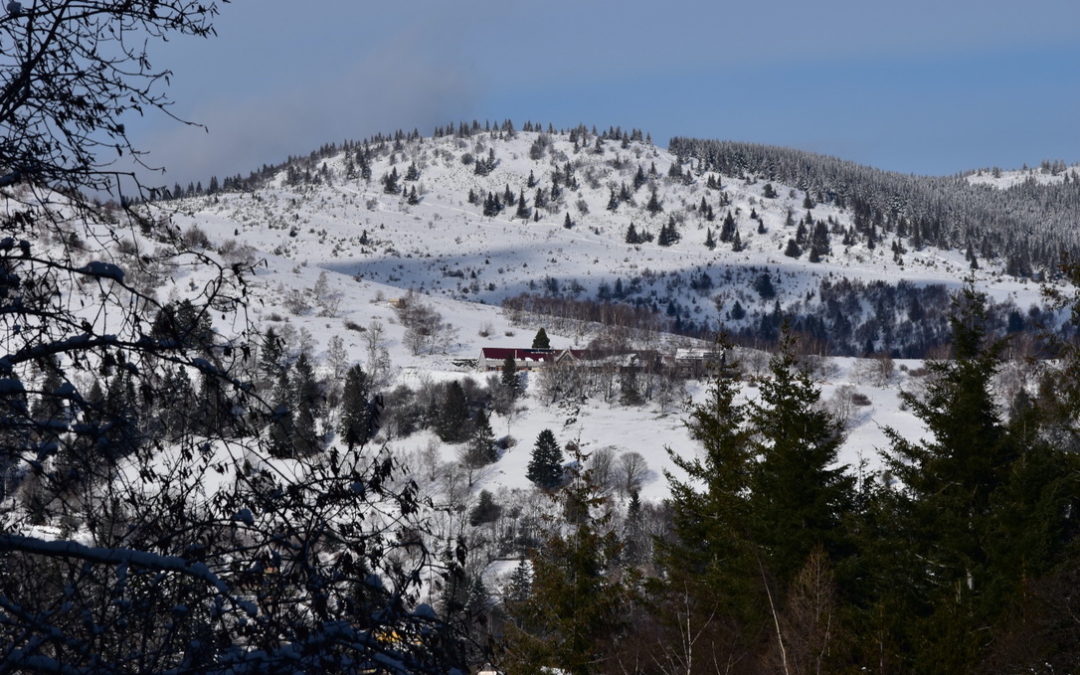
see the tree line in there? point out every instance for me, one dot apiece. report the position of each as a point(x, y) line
point(1028, 226)
point(958, 556)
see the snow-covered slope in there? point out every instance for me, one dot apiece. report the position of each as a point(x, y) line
point(1047, 174)
point(445, 245)
point(370, 246)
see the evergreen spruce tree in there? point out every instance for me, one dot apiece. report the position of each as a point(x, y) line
point(727, 228)
point(629, 389)
point(976, 510)
point(509, 377)
point(518, 587)
point(306, 406)
point(390, 182)
point(654, 206)
point(182, 324)
point(14, 407)
point(492, 205)
point(482, 449)
point(792, 249)
point(452, 423)
point(632, 235)
point(764, 286)
point(213, 415)
point(800, 496)
point(668, 234)
point(710, 558)
point(540, 341)
point(281, 422)
point(49, 410)
point(357, 409)
point(122, 407)
point(737, 313)
point(819, 242)
point(579, 599)
point(523, 210)
point(487, 510)
point(710, 243)
point(635, 537)
point(545, 464)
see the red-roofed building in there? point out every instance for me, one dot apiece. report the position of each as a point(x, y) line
point(493, 358)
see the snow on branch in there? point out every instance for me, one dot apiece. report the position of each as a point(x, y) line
point(116, 556)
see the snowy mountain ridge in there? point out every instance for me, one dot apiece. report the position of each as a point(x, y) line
point(1046, 174)
point(330, 216)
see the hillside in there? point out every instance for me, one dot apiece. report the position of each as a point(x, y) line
point(336, 250)
point(777, 252)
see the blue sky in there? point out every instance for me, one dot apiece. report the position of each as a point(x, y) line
point(913, 86)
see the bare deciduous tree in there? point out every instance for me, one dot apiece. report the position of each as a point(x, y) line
point(154, 531)
point(425, 330)
point(632, 470)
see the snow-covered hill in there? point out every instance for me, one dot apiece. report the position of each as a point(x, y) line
point(338, 252)
point(324, 213)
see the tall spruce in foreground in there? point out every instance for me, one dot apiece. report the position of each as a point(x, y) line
point(799, 494)
point(578, 600)
point(709, 565)
point(1038, 515)
point(984, 506)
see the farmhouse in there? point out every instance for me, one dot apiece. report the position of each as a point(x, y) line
point(493, 358)
point(690, 362)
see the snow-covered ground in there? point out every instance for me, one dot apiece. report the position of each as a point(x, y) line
point(444, 245)
point(369, 248)
point(1004, 180)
